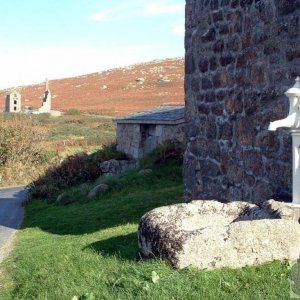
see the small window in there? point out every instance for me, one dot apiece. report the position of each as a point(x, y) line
point(15, 102)
point(15, 108)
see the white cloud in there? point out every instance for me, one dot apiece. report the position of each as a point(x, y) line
point(137, 8)
point(163, 8)
point(33, 65)
point(102, 16)
point(115, 13)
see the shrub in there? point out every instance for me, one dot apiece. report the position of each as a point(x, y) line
point(170, 150)
point(20, 142)
point(21, 149)
point(74, 170)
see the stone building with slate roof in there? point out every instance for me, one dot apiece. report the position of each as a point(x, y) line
point(140, 133)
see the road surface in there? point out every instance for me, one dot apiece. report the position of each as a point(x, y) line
point(11, 216)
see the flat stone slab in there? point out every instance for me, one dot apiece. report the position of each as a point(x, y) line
point(211, 234)
point(169, 115)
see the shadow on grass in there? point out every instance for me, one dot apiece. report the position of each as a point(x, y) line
point(123, 246)
point(128, 198)
point(113, 209)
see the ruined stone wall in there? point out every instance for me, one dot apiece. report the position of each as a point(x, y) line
point(170, 132)
point(128, 139)
point(13, 102)
point(136, 140)
point(241, 56)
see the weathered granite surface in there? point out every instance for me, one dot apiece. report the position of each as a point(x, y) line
point(286, 211)
point(115, 167)
point(210, 234)
point(241, 56)
point(100, 188)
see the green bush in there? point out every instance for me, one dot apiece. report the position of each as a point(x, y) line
point(74, 170)
point(168, 151)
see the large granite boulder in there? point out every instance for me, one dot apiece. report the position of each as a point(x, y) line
point(211, 234)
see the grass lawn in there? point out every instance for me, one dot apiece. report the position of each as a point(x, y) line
point(85, 129)
point(89, 249)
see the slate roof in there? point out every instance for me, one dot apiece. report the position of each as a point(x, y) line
point(169, 115)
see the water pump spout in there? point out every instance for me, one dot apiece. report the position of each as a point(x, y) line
point(293, 119)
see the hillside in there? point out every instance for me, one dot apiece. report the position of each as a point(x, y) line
point(114, 92)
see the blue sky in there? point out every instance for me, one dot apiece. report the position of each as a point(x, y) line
point(62, 38)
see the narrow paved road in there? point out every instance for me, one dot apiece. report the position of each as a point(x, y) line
point(11, 216)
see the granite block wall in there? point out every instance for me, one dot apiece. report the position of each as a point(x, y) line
point(128, 139)
point(136, 140)
point(241, 56)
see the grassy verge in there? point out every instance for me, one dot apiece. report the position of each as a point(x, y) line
point(89, 249)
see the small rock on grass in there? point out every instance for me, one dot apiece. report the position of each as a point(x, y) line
point(64, 199)
point(145, 172)
point(97, 190)
point(59, 198)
